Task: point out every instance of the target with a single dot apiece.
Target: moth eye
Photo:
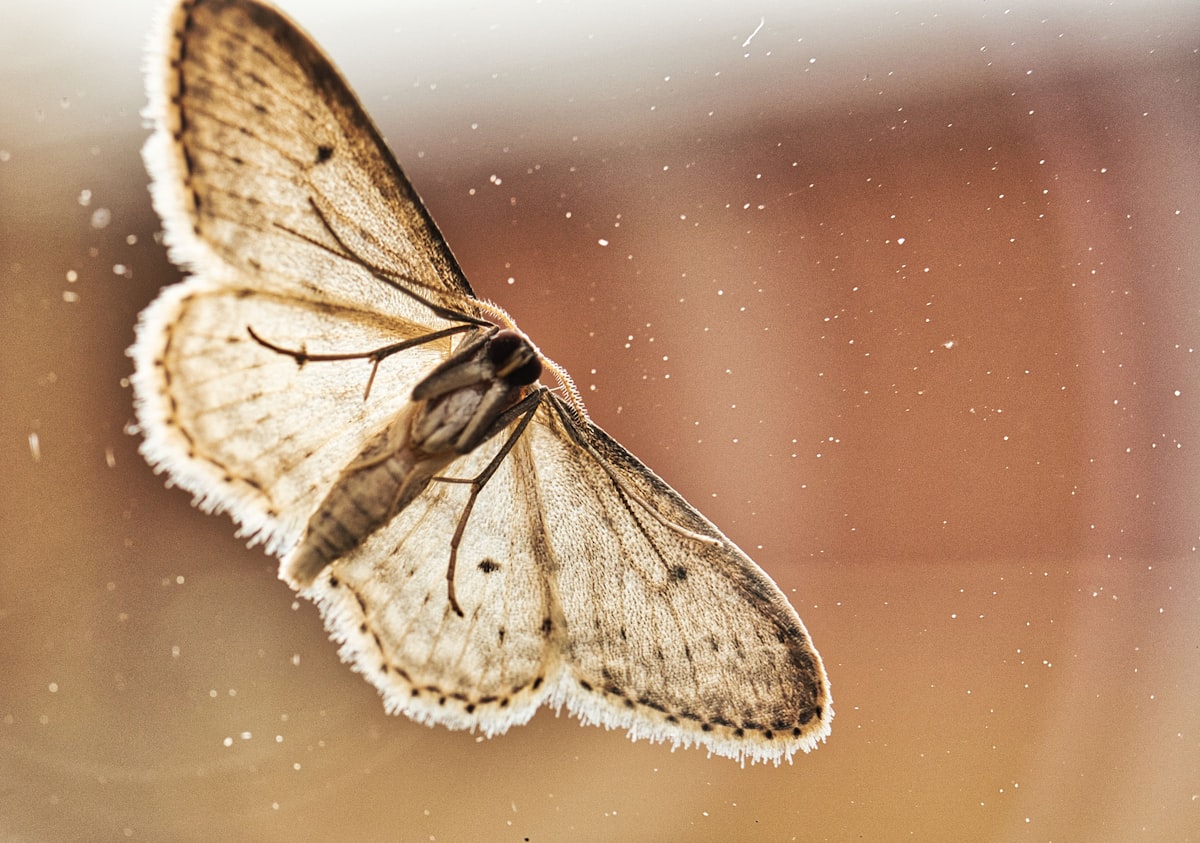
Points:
(515, 359)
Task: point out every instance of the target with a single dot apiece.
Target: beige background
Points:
(906, 297)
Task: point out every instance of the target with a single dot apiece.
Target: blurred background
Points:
(904, 296)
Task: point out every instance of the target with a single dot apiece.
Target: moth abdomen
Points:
(370, 491)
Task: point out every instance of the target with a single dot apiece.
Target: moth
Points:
(325, 375)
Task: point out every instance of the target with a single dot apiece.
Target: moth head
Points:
(515, 359)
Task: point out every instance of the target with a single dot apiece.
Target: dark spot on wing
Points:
(489, 566)
(679, 573)
(324, 153)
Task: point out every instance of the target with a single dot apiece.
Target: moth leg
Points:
(525, 408)
(376, 356)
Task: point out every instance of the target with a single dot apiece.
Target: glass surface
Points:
(905, 297)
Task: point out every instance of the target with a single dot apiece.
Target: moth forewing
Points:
(693, 643)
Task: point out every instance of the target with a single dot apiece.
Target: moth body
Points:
(454, 409)
(381, 481)
(586, 581)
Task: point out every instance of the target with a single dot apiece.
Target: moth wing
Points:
(279, 196)
(262, 156)
(674, 638)
(246, 429)
(386, 602)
